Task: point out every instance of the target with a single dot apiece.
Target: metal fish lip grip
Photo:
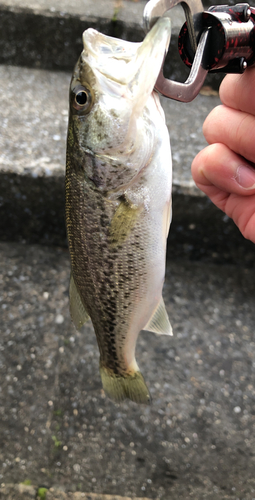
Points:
(220, 39)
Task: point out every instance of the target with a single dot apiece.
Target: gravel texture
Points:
(25, 492)
(196, 440)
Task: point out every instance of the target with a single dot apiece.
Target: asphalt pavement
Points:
(58, 429)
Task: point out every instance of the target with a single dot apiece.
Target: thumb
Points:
(229, 181)
(218, 166)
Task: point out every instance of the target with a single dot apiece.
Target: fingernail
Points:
(245, 176)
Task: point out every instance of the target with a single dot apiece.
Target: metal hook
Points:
(193, 9)
(156, 8)
(187, 91)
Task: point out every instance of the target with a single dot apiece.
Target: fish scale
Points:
(104, 288)
(118, 202)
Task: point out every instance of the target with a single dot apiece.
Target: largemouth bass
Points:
(118, 200)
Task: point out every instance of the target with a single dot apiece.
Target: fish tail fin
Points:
(131, 386)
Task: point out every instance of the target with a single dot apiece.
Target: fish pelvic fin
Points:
(78, 312)
(159, 322)
(131, 386)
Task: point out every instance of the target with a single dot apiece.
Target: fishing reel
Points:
(221, 39)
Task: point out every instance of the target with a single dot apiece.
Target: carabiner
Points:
(187, 91)
(193, 9)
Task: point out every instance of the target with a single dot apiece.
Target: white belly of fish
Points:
(156, 195)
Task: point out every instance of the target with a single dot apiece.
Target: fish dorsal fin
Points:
(78, 312)
(159, 322)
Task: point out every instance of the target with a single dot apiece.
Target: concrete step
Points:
(34, 111)
(58, 430)
(47, 33)
(34, 126)
(34, 104)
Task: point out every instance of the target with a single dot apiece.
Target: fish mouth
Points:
(117, 63)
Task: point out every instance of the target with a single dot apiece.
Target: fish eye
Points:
(82, 99)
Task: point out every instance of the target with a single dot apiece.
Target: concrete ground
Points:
(58, 429)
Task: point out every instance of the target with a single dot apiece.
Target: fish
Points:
(118, 200)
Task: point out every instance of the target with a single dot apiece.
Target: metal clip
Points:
(193, 9)
(186, 92)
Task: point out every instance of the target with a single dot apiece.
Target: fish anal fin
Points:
(159, 322)
(131, 386)
(78, 312)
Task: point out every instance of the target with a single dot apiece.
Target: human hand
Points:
(224, 170)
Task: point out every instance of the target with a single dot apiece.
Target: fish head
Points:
(110, 87)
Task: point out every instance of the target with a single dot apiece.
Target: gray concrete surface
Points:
(57, 429)
(34, 126)
(32, 165)
(127, 11)
(47, 33)
(25, 492)
(33, 142)
(33, 130)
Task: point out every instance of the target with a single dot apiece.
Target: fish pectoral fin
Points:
(78, 312)
(130, 386)
(124, 219)
(159, 322)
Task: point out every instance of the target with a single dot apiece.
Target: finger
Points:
(218, 167)
(242, 211)
(234, 128)
(237, 91)
(215, 173)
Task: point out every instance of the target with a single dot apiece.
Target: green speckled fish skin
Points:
(116, 225)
